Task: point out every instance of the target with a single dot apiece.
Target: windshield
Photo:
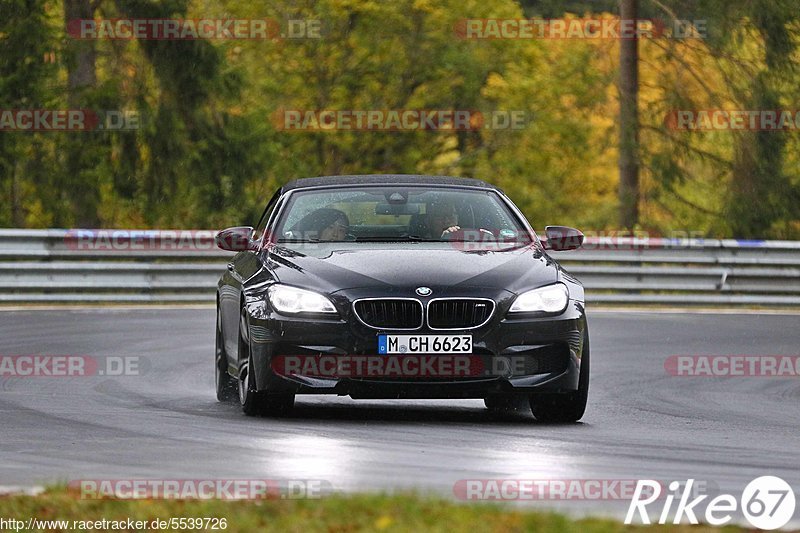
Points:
(397, 214)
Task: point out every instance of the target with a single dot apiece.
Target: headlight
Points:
(550, 299)
(291, 300)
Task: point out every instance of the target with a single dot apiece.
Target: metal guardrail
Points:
(183, 266)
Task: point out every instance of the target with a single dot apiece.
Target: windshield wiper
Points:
(404, 238)
(298, 240)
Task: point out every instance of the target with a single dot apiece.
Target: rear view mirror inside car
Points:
(397, 209)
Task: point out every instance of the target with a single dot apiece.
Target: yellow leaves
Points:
(423, 5)
(568, 101)
(383, 522)
(445, 162)
(495, 83)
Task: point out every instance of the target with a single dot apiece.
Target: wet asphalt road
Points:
(166, 423)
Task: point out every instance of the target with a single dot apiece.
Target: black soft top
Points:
(392, 179)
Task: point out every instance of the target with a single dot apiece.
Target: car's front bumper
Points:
(516, 355)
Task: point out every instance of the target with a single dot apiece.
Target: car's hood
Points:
(331, 267)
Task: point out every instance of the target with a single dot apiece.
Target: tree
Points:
(629, 121)
(25, 48)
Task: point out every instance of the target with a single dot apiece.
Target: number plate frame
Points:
(389, 344)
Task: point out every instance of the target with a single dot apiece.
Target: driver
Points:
(442, 219)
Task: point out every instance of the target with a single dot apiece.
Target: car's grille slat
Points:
(459, 313)
(390, 313)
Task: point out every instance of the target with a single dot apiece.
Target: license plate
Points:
(401, 344)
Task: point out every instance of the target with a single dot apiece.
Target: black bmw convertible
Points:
(397, 286)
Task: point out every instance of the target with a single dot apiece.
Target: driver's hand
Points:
(451, 229)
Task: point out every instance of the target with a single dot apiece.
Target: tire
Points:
(253, 402)
(565, 407)
(225, 384)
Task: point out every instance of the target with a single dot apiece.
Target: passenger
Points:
(324, 224)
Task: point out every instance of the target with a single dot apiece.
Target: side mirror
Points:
(235, 239)
(563, 238)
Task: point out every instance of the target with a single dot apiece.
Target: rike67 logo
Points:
(768, 502)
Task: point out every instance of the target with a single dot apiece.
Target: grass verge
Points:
(331, 514)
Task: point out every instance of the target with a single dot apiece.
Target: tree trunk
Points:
(629, 122)
(81, 54)
(80, 58)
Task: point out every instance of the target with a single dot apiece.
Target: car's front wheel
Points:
(565, 407)
(256, 402)
(226, 387)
